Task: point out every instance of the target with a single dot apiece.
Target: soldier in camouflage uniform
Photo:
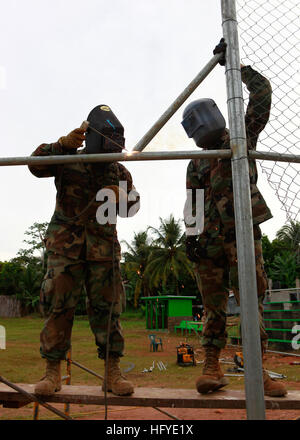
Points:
(82, 254)
(214, 252)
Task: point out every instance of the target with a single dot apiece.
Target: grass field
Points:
(21, 361)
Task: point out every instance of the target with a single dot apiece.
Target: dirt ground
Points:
(93, 412)
(284, 364)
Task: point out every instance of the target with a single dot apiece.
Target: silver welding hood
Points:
(203, 121)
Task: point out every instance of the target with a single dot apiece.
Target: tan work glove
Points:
(74, 139)
(120, 194)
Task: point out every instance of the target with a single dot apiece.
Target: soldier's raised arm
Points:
(259, 105)
(65, 145)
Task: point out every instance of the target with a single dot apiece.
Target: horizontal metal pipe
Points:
(265, 155)
(136, 157)
(283, 353)
(112, 157)
(269, 351)
(144, 141)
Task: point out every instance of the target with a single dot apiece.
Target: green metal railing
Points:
(234, 332)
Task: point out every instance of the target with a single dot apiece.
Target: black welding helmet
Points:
(111, 139)
(203, 121)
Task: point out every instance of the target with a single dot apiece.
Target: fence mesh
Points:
(269, 42)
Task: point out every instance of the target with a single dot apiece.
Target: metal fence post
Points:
(243, 219)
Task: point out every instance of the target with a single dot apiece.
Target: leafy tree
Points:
(11, 273)
(22, 275)
(35, 241)
(284, 269)
(136, 259)
(30, 284)
(270, 250)
(282, 255)
(289, 235)
(188, 286)
(130, 286)
(167, 260)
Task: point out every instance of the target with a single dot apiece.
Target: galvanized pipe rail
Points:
(113, 157)
(254, 388)
(278, 157)
(135, 156)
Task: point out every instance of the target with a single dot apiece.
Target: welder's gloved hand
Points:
(221, 48)
(73, 140)
(121, 195)
(192, 248)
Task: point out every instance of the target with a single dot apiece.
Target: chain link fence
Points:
(269, 42)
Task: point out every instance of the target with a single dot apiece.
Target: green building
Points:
(164, 312)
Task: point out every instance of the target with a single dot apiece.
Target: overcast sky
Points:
(59, 59)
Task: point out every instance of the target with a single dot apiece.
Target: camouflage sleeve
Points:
(258, 109)
(54, 149)
(133, 197)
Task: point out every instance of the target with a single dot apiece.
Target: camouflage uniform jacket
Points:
(73, 230)
(214, 175)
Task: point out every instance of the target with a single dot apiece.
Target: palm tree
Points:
(135, 263)
(284, 269)
(167, 260)
(290, 235)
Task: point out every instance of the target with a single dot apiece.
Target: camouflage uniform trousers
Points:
(216, 274)
(60, 291)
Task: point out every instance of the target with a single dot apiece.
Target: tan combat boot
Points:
(272, 387)
(51, 382)
(116, 382)
(212, 378)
